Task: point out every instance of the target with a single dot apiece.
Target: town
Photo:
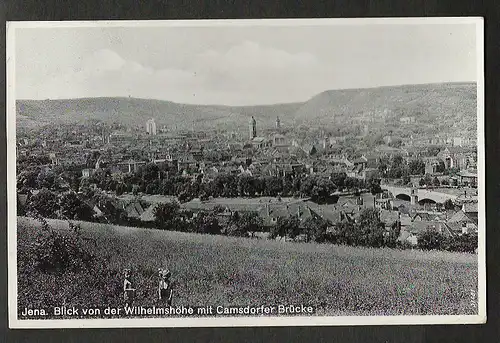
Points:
(290, 185)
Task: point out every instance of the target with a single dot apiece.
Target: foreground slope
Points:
(217, 270)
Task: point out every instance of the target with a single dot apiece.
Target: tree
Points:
(467, 243)
(153, 187)
(208, 223)
(440, 168)
(406, 180)
(315, 229)
(242, 224)
(166, 214)
(45, 203)
(339, 179)
(391, 239)
(307, 185)
(426, 181)
(370, 228)
(135, 189)
(374, 186)
(292, 225)
(285, 227)
(430, 239)
(435, 182)
(272, 186)
(416, 167)
(72, 207)
(344, 233)
(46, 179)
(150, 172)
(246, 185)
(318, 188)
(27, 179)
(449, 205)
(322, 189)
(120, 188)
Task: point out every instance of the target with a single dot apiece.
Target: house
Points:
(332, 215)
(467, 178)
(186, 161)
(359, 171)
(360, 162)
(133, 210)
(411, 232)
(148, 214)
(467, 217)
(309, 149)
(197, 154)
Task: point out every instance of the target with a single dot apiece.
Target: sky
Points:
(240, 65)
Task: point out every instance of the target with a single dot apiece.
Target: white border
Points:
(14, 322)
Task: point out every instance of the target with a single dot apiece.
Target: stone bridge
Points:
(417, 195)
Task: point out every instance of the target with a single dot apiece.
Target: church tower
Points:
(252, 128)
(278, 123)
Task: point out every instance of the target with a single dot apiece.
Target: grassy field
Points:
(218, 270)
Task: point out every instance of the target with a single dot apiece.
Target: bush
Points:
(167, 215)
(44, 203)
(72, 207)
(463, 243)
(431, 239)
(53, 251)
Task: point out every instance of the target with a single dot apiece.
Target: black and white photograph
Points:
(204, 173)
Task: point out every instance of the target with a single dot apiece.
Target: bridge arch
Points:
(426, 201)
(403, 196)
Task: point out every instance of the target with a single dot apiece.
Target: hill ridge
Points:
(453, 102)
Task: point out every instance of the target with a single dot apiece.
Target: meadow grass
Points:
(219, 270)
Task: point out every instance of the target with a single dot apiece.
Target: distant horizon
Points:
(235, 65)
(258, 104)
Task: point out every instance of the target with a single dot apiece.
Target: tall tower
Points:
(151, 127)
(278, 123)
(252, 128)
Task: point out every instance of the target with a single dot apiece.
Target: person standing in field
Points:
(165, 289)
(128, 290)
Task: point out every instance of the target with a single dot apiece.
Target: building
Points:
(86, 172)
(151, 127)
(468, 178)
(407, 120)
(279, 140)
(260, 142)
(466, 220)
(432, 165)
(252, 128)
(278, 123)
(457, 157)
